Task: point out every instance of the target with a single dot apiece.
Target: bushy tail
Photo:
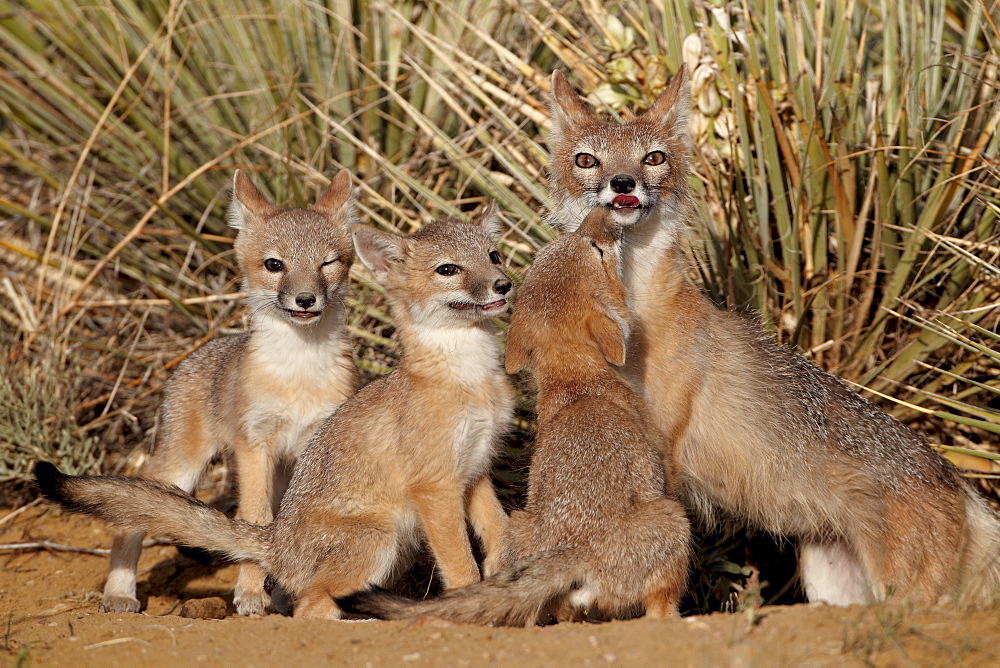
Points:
(135, 503)
(981, 564)
(516, 596)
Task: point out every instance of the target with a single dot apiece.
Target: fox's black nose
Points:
(305, 299)
(622, 183)
(502, 285)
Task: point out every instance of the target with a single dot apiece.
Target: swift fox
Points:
(406, 457)
(601, 536)
(757, 434)
(260, 393)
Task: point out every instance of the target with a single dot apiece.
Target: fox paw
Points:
(251, 602)
(491, 565)
(120, 604)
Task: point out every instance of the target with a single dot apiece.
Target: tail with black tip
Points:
(517, 596)
(136, 503)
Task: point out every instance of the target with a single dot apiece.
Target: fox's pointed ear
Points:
(249, 204)
(674, 104)
(489, 220)
(338, 194)
(611, 336)
(517, 356)
(567, 107)
(378, 251)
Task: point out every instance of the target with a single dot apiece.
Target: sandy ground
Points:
(49, 617)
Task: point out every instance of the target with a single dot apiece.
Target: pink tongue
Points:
(625, 202)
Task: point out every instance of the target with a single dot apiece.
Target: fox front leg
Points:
(442, 515)
(489, 521)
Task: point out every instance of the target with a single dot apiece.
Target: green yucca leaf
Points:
(982, 386)
(992, 456)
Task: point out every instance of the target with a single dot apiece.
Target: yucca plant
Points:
(845, 170)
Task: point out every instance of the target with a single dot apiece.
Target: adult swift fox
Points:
(261, 393)
(406, 457)
(600, 537)
(758, 434)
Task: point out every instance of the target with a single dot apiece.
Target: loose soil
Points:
(49, 617)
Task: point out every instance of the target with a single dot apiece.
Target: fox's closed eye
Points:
(273, 264)
(331, 261)
(599, 249)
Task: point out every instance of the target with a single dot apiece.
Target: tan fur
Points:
(259, 394)
(407, 457)
(600, 536)
(757, 434)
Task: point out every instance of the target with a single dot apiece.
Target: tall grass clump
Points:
(846, 173)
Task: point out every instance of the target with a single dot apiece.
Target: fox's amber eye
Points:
(273, 264)
(494, 257)
(655, 158)
(585, 160)
(448, 269)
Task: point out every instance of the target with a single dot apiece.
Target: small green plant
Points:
(866, 637)
(36, 417)
(23, 657)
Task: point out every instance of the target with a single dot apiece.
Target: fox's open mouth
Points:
(303, 315)
(492, 307)
(626, 202)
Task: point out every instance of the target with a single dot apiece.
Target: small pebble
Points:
(204, 608)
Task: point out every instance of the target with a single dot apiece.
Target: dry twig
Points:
(56, 547)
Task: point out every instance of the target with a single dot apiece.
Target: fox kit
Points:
(406, 457)
(758, 434)
(263, 392)
(600, 536)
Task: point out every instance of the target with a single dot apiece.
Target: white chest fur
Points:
(475, 438)
(471, 363)
(643, 248)
(469, 352)
(293, 382)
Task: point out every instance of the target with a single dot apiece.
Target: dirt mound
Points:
(49, 600)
